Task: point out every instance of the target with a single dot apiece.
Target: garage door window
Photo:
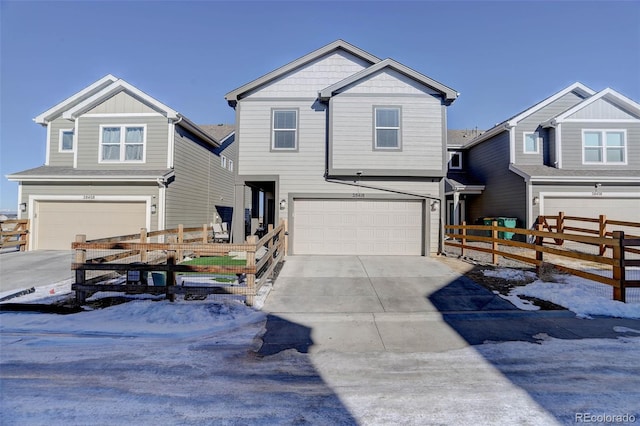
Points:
(604, 146)
(122, 143)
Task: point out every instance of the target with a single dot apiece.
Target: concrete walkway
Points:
(21, 270)
(401, 304)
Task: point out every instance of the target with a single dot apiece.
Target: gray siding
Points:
(505, 193)
(553, 159)
(532, 123)
(191, 199)
(88, 136)
(57, 158)
(121, 103)
(601, 109)
(572, 145)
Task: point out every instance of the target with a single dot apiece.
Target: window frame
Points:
(223, 161)
(454, 154)
(376, 128)
(524, 142)
(123, 144)
(61, 133)
(274, 130)
(603, 147)
(230, 164)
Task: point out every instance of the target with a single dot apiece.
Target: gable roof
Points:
(233, 96)
(513, 121)
(447, 93)
(608, 94)
(54, 111)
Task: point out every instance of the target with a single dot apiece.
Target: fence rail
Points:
(14, 233)
(618, 263)
(243, 268)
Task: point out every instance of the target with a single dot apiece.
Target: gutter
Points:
(394, 191)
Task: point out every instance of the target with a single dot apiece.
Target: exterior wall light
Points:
(536, 200)
(434, 205)
(23, 207)
(154, 208)
(283, 204)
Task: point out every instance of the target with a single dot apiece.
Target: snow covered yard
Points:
(156, 362)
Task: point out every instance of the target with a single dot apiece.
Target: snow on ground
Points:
(579, 295)
(156, 362)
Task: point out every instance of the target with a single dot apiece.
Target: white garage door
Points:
(364, 227)
(58, 222)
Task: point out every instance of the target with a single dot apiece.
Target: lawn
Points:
(216, 260)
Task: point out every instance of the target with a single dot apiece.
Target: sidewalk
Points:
(21, 270)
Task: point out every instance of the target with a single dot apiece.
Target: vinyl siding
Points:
(89, 142)
(601, 109)
(57, 158)
(90, 189)
(532, 123)
(121, 103)
(551, 132)
(572, 145)
(191, 198)
(316, 75)
(505, 193)
(352, 127)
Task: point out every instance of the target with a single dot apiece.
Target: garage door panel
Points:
(357, 227)
(58, 222)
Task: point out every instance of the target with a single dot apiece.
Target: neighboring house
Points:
(118, 160)
(577, 151)
(349, 149)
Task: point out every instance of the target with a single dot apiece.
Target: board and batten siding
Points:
(191, 198)
(506, 192)
(316, 75)
(88, 137)
(352, 133)
(121, 103)
(532, 124)
(601, 109)
(571, 145)
(57, 158)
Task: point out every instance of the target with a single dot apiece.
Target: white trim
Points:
(397, 128)
(230, 163)
(47, 154)
(124, 114)
(601, 120)
(97, 198)
(223, 161)
(559, 145)
(123, 144)
(20, 213)
(512, 145)
(295, 131)
(76, 127)
(529, 206)
(171, 137)
(604, 161)
(45, 117)
(569, 179)
(618, 99)
(524, 142)
(451, 155)
(613, 195)
(73, 142)
(162, 195)
(84, 178)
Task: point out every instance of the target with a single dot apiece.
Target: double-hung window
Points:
(122, 143)
(455, 161)
(223, 161)
(387, 128)
(604, 146)
(531, 143)
(66, 140)
(285, 130)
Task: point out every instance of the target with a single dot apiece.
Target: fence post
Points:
(602, 231)
(494, 242)
(171, 273)
(251, 263)
(205, 234)
(270, 246)
(560, 226)
(143, 249)
(463, 237)
(619, 273)
(81, 274)
(539, 254)
(180, 241)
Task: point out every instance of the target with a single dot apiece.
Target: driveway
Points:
(21, 270)
(401, 304)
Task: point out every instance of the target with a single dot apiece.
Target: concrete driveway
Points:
(21, 270)
(402, 304)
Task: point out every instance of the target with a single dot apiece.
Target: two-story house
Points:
(577, 151)
(118, 160)
(349, 149)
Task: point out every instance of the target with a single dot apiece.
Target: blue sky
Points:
(501, 56)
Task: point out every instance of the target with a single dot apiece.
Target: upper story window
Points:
(604, 147)
(531, 143)
(122, 143)
(66, 140)
(455, 160)
(285, 130)
(223, 161)
(230, 165)
(387, 128)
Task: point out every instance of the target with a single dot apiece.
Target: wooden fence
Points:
(136, 255)
(534, 253)
(14, 233)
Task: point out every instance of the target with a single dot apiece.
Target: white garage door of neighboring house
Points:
(364, 227)
(625, 209)
(58, 222)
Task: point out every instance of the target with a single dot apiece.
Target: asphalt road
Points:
(22, 270)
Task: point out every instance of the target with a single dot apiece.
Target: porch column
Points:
(237, 227)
